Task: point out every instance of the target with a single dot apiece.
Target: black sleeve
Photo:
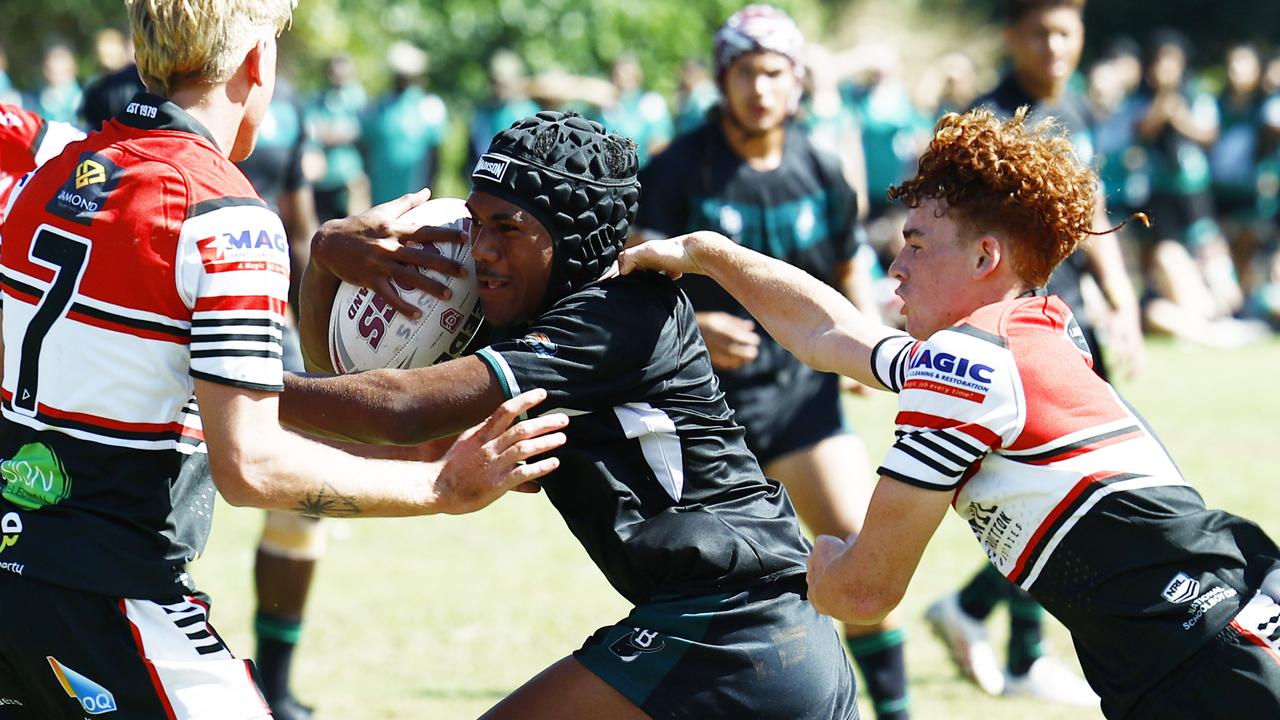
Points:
(664, 199)
(590, 353)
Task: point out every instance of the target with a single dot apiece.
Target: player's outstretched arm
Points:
(858, 581)
(257, 463)
(370, 250)
(809, 318)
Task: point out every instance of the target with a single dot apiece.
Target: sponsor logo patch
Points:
(639, 641)
(95, 699)
(86, 192)
(947, 374)
(249, 249)
(34, 478)
(1181, 588)
(10, 530)
(540, 344)
(491, 167)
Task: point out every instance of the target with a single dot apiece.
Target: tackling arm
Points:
(257, 463)
(806, 316)
(860, 582)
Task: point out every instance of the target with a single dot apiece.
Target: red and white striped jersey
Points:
(138, 260)
(26, 142)
(1067, 490)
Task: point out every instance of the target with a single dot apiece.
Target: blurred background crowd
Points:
(381, 98)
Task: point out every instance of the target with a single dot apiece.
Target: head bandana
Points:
(577, 179)
(761, 28)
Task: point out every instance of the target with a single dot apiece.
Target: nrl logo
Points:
(491, 167)
(90, 173)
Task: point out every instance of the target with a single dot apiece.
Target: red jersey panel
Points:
(135, 262)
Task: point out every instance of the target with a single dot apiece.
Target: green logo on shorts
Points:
(34, 478)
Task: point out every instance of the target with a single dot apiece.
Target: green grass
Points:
(440, 617)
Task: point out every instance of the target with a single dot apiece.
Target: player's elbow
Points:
(242, 474)
(858, 603)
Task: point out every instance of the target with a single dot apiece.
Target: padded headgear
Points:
(761, 28)
(577, 179)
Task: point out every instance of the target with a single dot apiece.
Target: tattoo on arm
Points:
(327, 502)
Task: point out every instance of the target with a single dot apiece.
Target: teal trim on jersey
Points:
(778, 231)
(677, 624)
(500, 368)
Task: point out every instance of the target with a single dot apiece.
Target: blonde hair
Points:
(181, 41)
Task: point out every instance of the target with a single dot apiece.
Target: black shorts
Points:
(781, 419)
(763, 653)
(68, 655)
(1236, 675)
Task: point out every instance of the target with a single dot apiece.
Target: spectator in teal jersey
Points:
(507, 103)
(333, 121)
(1121, 160)
(640, 114)
(697, 95)
(1177, 123)
(893, 134)
(833, 125)
(1233, 159)
(59, 97)
(401, 135)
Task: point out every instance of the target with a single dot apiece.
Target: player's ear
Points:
(255, 61)
(987, 254)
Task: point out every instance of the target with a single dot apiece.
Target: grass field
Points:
(438, 618)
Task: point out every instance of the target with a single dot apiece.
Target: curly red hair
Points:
(1001, 176)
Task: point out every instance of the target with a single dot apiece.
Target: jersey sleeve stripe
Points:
(206, 322)
(942, 452)
(254, 266)
(208, 206)
(964, 447)
(236, 352)
(905, 446)
(501, 370)
(234, 337)
(933, 422)
(894, 474)
(215, 303)
(220, 380)
(890, 378)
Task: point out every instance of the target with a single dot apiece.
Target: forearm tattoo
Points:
(327, 502)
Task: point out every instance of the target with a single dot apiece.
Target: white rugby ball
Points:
(367, 333)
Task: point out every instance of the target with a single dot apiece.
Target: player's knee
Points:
(296, 537)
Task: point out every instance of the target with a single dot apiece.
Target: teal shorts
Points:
(762, 653)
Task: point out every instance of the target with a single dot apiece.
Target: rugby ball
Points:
(367, 333)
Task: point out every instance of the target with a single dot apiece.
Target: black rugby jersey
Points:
(655, 479)
(803, 212)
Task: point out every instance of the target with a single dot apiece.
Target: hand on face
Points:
(488, 459)
(372, 249)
